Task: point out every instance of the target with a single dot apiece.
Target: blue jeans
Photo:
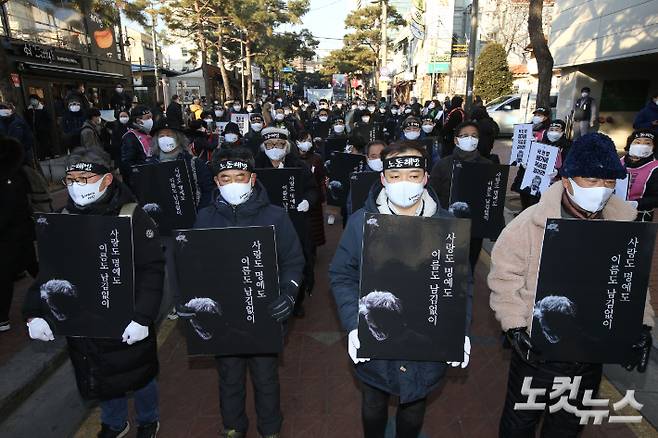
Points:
(114, 412)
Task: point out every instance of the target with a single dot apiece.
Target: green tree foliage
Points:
(492, 75)
(360, 52)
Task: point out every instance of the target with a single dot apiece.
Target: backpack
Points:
(38, 194)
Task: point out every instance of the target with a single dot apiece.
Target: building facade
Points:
(611, 47)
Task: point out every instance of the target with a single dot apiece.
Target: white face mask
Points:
(279, 117)
(275, 154)
(372, 109)
(237, 107)
(124, 120)
(230, 137)
(553, 136)
(407, 110)
(365, 119)
(382, 110)
(286, 112)
(257, 126)
(536, 120)
(208, 121)
(376, 164)
(304, 146)
(640, 150)
(219, 113)
(590, 199)
(147, 125)
(362, 107)
(74, 108)
(235, 193)
(119, 90)
(404, 193)
(249, 109)
(412, 135)
(394, 111)
(353, 107)
(5, 112)
(467, 144)
(86, 194)
(431, 105)
(34, 102)
(323, 118)
(427, 128)
(584, 94)
(339, 128)
(166, 144)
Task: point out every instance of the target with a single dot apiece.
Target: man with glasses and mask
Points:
(108, 369)
(588, 179)
(401, 191)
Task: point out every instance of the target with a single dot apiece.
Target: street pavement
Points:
(319, 394)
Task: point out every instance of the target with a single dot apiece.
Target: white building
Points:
(611, 47)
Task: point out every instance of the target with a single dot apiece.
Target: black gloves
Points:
(281, 307)
(520, 341)
(641, 351)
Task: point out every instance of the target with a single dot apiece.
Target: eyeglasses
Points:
(81, 180)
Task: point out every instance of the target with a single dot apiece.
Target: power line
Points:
(325, 6)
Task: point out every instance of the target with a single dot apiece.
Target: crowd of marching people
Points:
(223, 158)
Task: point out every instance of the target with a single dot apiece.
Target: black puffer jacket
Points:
(108, 368)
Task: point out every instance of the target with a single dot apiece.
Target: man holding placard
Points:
(401, 192)
(242, 202)
(107, 369)
(585, 192)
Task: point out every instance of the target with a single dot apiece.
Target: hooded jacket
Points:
(16, 127)
(647, 115)
(516, 255)
(108, 368)
(257, 211)
(419, 378)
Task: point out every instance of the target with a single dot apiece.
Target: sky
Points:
(325, 18)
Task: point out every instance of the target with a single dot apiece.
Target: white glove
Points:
(134, 333)
(467, 354)
(39, 329)
(633, 204)
(303, 206)
(354, 344)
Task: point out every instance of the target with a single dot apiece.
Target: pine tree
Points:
(492, 75)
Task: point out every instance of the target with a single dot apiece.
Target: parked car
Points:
(513, 109)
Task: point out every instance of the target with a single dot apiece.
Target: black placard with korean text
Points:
(231, 315)
(483, 187)
(591, 289)
(284, 186)
(360, 185)
(341, 166)
(86, 273)
(413, 288)
(164, 190)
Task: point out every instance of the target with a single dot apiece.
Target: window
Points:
(621, 95)
(54, 23)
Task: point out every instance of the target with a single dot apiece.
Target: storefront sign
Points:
(45, 53)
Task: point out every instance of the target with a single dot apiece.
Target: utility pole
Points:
(384, 47)
(472, 45)
(155, 53)
(242, 69)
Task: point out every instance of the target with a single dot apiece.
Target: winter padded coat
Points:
(410, 380)
(257, 211)
(516, 254)
(108, 368)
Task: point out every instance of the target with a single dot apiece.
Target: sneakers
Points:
(107, 432)
(331, 219)
(4, 326)
(173, 315)
(148, 430)
(232, 433)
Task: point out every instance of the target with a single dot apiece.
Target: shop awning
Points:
(59, 69)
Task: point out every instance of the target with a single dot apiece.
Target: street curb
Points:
(26, 371)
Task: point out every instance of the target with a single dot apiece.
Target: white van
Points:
(513, 109)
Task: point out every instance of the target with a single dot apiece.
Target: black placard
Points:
(165, 192)
(483, 187)
(333, 145)
(360, 185)
(86, 273)
(591, 290)
(414, 280)
(231, 311)
(341, 166)
(284, 186)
